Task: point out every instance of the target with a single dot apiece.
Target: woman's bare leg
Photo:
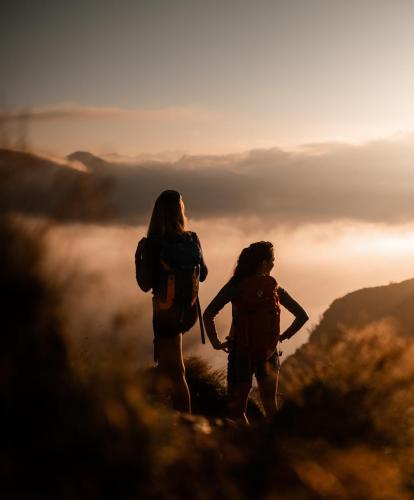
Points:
(171, 364)
(267, 382)
(238, 394)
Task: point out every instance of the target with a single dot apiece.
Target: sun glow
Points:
(391, 244)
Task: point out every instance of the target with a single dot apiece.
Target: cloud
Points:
(321, 183)
(76, 111)
(371, 182)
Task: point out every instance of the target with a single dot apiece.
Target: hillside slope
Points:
(362, 307)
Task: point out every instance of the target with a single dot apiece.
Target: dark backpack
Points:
(257, 317)
(180, 260)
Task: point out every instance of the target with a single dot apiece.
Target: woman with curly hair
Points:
(252, 344)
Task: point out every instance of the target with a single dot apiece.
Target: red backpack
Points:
(257, 317)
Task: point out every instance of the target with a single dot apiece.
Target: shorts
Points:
(170, 323)
(240, 368)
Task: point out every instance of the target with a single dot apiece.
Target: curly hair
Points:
(250, 259)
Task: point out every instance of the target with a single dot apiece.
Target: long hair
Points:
(250, 259)
(168, 214)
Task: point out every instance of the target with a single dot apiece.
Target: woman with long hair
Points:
(169, 262)
(255, 332)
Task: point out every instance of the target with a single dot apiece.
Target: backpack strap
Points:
(200, 318)
(194, 238)
(155, 341)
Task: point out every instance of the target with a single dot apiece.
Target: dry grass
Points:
(345, 429)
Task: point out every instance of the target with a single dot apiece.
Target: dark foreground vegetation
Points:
(345, 429)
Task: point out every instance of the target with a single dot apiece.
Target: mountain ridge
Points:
(88, 159)
(367, 305)
(40, 186)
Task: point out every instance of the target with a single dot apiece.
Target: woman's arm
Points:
(203, 267)
(224, 296)
(301, 317)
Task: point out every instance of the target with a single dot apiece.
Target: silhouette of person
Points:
(253, 353)
(168, 241)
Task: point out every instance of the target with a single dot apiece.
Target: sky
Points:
(206, 77)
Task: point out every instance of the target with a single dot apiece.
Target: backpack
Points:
(180, 260)
(257, 317)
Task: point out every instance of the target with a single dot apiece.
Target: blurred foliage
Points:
(345, 429)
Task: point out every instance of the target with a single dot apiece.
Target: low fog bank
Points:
(320, 183)
(107, 316)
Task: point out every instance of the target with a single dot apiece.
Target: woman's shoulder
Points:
(192, 234)
(152, 240)
(231, 289)
(226, 294)
(273, 280)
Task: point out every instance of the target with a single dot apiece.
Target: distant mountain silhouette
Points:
(88, 159)
(36, 185)
(294, 188)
